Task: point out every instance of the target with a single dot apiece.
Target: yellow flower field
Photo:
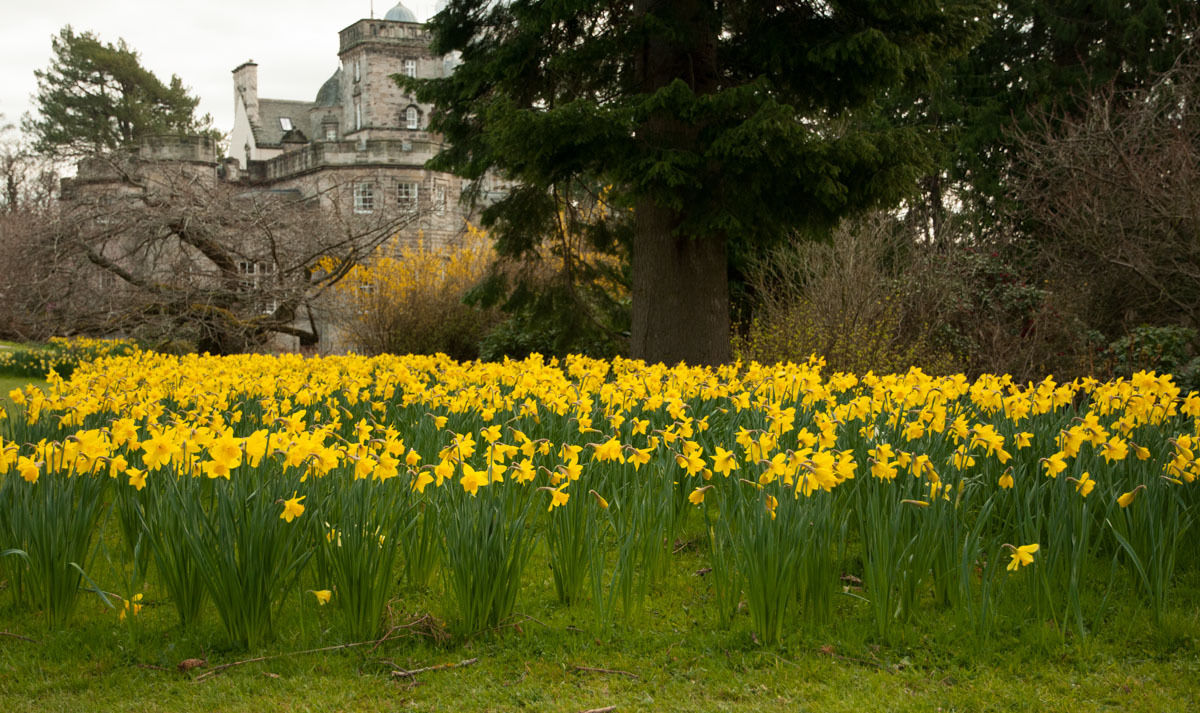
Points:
(246, 478)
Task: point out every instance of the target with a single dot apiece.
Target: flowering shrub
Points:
(409, 299)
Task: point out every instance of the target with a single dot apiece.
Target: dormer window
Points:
(285, 123)
(412, 118)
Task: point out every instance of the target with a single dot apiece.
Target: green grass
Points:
(8, 383)
(680, 659)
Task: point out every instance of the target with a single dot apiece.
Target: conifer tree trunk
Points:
(680, 292)
(680, 281)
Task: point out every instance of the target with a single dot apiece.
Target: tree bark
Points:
(680, 306)
(680, 292)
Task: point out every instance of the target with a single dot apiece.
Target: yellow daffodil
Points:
(696, 497)
(724, 461)
(1021, 556)
(292, 508)
(1126, 499)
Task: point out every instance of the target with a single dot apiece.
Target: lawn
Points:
(672, 657)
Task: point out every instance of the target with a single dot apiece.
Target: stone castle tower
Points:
(361, 131)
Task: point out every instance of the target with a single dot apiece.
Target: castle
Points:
(361, 130)
(355, 153)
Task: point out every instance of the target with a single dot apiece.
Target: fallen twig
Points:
(18, 636)
(217, 669)
(533, 619)
(436, 667)
(606, 709)
(607, 670)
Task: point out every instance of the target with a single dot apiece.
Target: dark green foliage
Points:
(715, 122)
(1052, 57)
(1162, 349)
(97, 96)
(554, 320)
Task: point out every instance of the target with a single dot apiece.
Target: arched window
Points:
(412, 118)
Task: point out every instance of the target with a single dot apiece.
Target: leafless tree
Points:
(1115, 193)
(28, 180)
(28, 184)
(167, 251)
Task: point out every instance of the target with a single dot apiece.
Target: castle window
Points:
(410, 67)
(357, 114)
(439, 199)
(285, 123)
(357, 71)
(330, 132)
(364, 198)
(412, 119)
(253, 277)
(406, 195)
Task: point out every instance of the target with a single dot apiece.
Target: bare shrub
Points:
(1114, 191)
(848, 300)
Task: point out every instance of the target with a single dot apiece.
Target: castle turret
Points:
(372, 51)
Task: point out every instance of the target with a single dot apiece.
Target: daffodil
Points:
(724, 461)
(1021, 556)
(1055, 464)
(1006, 480)
(423, 479)
(599, 500)
(472, 479)
(29, 469)
(610, 450)
(132, 607)
(292, 508)
(1126, 499)
(137, 478)
(558, 496)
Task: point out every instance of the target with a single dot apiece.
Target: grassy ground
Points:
(672, 657)
(8, 383)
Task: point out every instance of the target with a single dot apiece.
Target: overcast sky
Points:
(294, 42)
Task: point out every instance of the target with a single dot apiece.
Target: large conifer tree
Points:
(97, 96)
(713, 121)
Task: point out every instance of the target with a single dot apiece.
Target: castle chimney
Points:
(245, 85)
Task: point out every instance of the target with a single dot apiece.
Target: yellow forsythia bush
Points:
(408, 299)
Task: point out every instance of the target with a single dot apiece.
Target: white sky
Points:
(294, 42)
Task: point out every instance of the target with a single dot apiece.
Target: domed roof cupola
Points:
(400, 14)
(330, 93)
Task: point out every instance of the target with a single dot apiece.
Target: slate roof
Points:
(269, 132)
